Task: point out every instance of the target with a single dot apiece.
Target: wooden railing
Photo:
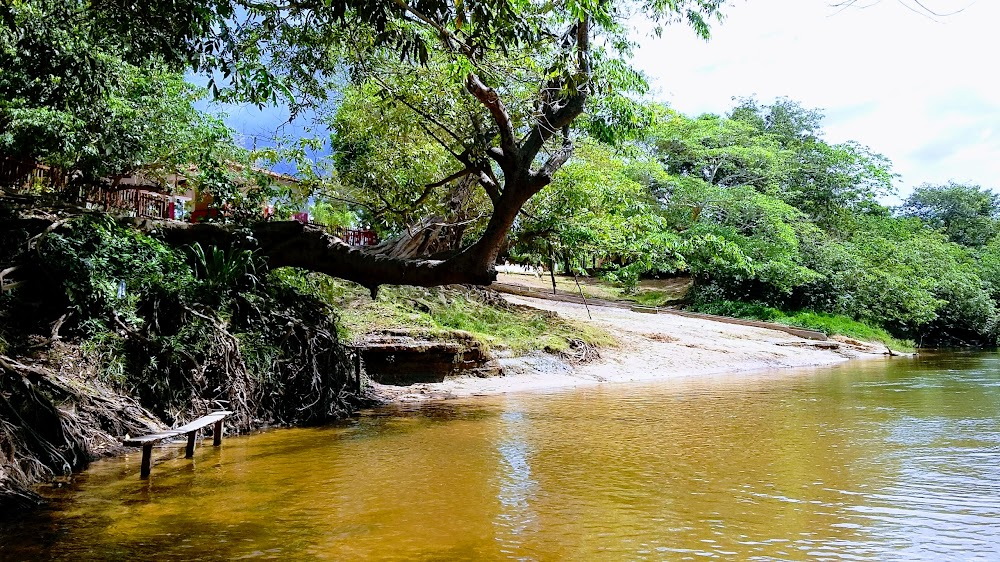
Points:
(355, 236)
(24, 174)
(351, 236)
(20, 175)
(136, 202)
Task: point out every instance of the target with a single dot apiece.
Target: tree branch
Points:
(491, 100)
(442, 143)
(499, 157)
(459, 174)
(447, 37)
(292, 244)
(543, 176)
(554, 116)
(490, 185)
(423, 114)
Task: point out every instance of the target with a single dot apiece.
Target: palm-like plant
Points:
(221, 269)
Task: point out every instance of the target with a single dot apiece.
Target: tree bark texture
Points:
(310, 247)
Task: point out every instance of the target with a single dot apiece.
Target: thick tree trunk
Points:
(292, 244)
(312, 248)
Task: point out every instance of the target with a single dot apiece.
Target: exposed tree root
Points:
(170, 352)
(53, 424)
(580, 351)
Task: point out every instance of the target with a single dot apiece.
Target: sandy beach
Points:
(650, 347)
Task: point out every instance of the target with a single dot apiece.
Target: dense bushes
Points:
(757, 208)
(885, 271)
(110, 329)
(183, 331)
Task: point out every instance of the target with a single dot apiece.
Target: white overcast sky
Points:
(924, 91)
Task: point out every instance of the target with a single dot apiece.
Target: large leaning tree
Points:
(498, 85)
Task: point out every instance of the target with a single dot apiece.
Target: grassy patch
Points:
(652, 298)
(649, 292)
(438, 311)
(830, 324)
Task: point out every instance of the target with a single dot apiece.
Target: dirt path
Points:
(593, 288)
(651, 347)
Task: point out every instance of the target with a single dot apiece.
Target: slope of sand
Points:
(651, 347)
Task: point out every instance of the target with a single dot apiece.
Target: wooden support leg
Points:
(357, 371)
(189, 452)
(147, 453)
(217, 434)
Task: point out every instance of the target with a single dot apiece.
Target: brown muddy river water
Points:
(894, 460)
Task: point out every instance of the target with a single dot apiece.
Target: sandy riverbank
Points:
(651, 347)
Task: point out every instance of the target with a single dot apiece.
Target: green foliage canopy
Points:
(760, 210)
(967, 214)
(78, 96)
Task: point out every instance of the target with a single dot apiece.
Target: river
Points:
(868, 460)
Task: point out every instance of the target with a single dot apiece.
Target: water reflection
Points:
(517, 488)
(866, 461)
(945, 497)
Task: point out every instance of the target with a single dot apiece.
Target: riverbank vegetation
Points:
(771, 221)
(438, 312)
(116, 332)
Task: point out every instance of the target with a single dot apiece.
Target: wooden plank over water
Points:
(151, 438)
(202, 421)
(190, 428)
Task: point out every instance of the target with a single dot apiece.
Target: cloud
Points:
(940, 149)
(963, 102)
(850, 113)
(915, 88)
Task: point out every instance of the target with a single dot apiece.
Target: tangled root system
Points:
(51, 423)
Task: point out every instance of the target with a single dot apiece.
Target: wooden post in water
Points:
(189, 452)
(147, 453)
(217, 434)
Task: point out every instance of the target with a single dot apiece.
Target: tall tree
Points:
(967, 214)
(515, 76)
(823, 180)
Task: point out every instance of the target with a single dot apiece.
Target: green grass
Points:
(829, 324)
(652, 298)
(649, 292)
(518, 329)
(436, 312)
